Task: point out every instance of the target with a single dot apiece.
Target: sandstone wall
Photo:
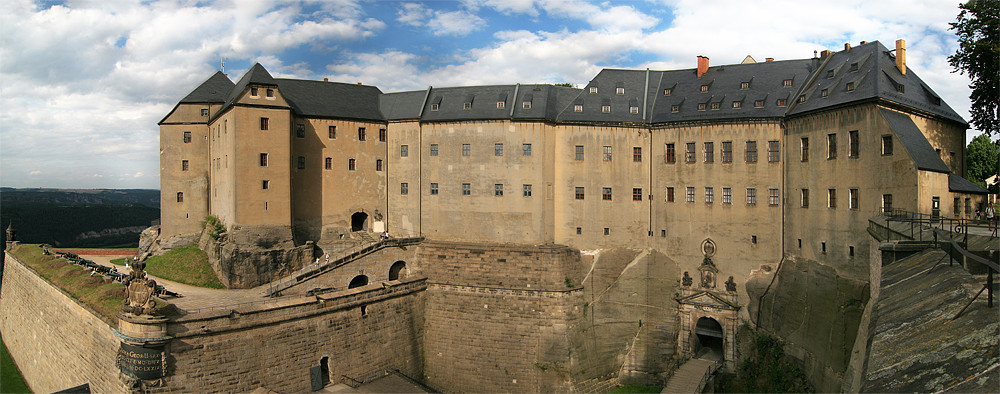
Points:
(375, 266)
(362, 331)
(252, 256)
(56, 342)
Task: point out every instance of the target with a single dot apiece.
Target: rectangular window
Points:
(727, 195)
(850, 86)
(605, 108)
(782, 102)
(467, 106)
(332, 132)
(579, 230)
(593, 90)
(328, 163)
(804, 193)
(501, 104)
(709, 195)
(265, 184)
(667, 91)
(497, 149)
(579, 152)
(269, 92)
(180, 196)
(378, 165)
(435, 106)
(831, 143)
(773, 198)
(362, 134)
(669, 154)
(404, 150)
(204, 112)
(690, 194)
(831, 198)
(787, 83)
(301, 163)
(352, 164)
(253, 92)
(633, 110)
(498, 190)
(466, 189)
(525, 149)
(887, 203)
(466, 150)
(744, 85)
(727, 151)
(670, 194)
(758, 104)
(526, 190)
(263, 159)
(607, 153)
(675, 108)
(751, 196)
(187, 137)
(300, 131)
(968, 206)
(689, 155)
(636, 154)
(404, 188)
(636, 194)
(805, 148)
(526, 105)
(619, 90)
(184, 165)
(751, 152)
(715, 105)
(381, 135)
(579, 193)
(704, 88)
(709, 152)
(853, 151)
(854, 200)
(773, 151)
(578, 108)
(434, 188)
(701, 106)
(607, 231)
(263, 123)
(886, 145)
(434, 149)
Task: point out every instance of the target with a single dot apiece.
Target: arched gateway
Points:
(359, 221)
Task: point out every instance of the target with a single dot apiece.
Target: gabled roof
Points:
(331, 99)
(914, 142)
(871, 71)
(214, 90)
(257, 75)
(961, 185)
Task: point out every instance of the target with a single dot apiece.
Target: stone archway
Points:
(359, 221)
(708, 323)
(711, 338)
(397, 270)
(358, 281)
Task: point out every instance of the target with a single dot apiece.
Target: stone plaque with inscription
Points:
(139, 362)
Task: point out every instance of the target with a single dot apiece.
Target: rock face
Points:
(816, 312)
(248, 257)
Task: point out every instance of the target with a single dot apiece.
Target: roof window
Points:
(825, 92)
(737, 104)
(704, 88)
(854, 67)
(715, 105)
(593, 90)
(619, 91)
(578, 108)
(526, 105)
(435, 107)
(900, 88)
(253, 92)
(850, 86)
(606, 108)
(744, 85)
(501, 104)
(667, 91)
(829, 74)
(701, 106)
(787, 83)
(758, 104)
(802, 98)
(633, 110)
(467, 106)
(782, 102)
(675, 108)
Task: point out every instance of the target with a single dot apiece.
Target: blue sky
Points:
(83, 83)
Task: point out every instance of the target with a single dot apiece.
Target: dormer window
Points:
(253, 92)
(269, 93)
(605, 108)
(900, 88)
(467, 106)
(854, 67)
(578, 108)
(500, 104)
(701, 106)
(782, 102)
(850, 86)
(435, 107)
(744, 85)
(829, 74)
(715, 106)
(633, 110)
(526, 105)
(619, 91)
(825, 92)
(737, 104)
(593, 90)
(787, 83)
(802, 98)
(704, 88)
(675, 108)
(758, 104)
(667, 91)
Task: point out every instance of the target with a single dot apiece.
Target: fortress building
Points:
(717, 173)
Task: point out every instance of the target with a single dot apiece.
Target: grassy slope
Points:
(188, 265)
(10, 378)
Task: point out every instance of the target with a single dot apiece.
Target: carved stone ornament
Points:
(377, 215)
(708, 247)
(687, 280)
(708, 273)
(731, 285)
(139, 291)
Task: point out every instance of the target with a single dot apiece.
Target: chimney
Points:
(847, 46)
(864, 42)
(825, 53)
(901, 56)
(769, 59)
(702, 65)
(325, 79)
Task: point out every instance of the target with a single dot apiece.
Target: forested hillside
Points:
(79, 218)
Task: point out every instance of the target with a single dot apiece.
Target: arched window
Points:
(351, 164)
(397, 268)
(358, 281)
(180, 196)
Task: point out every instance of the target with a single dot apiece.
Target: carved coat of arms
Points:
(139, 291)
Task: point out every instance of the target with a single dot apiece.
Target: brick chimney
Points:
(769, 59)
(901, 56)
(325, 79)
(702, 65)
(847, 46)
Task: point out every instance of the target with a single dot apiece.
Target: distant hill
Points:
(100, 218)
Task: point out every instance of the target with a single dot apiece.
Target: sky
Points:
(83, 83)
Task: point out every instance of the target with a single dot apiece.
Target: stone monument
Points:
(142, 359)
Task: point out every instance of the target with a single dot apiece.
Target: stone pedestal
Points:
(142, 359)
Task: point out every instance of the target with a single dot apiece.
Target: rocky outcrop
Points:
(252, 256)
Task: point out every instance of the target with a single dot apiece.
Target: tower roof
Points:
(214, 90)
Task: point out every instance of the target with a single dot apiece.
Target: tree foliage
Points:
(978, 54)
(983, 159)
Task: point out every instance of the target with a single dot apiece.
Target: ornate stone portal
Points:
(702, 306)
(141, 356)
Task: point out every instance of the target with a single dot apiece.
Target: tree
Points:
(978, 54)
(983, 158)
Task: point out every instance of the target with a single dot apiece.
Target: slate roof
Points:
(331, 99)
(914, 142)
(214, 90)
(961, 185)
(402, 105)
(871, 68)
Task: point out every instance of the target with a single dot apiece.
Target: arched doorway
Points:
(397, 268)
(358, 281)
(359, 221)
(710, 339)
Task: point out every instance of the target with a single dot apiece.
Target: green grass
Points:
(120, 261)
(635, 388)
(188, 265)
(10, 378)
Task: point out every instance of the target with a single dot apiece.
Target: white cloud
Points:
(440, 23)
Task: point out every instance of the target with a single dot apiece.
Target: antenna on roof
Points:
(223, 64)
